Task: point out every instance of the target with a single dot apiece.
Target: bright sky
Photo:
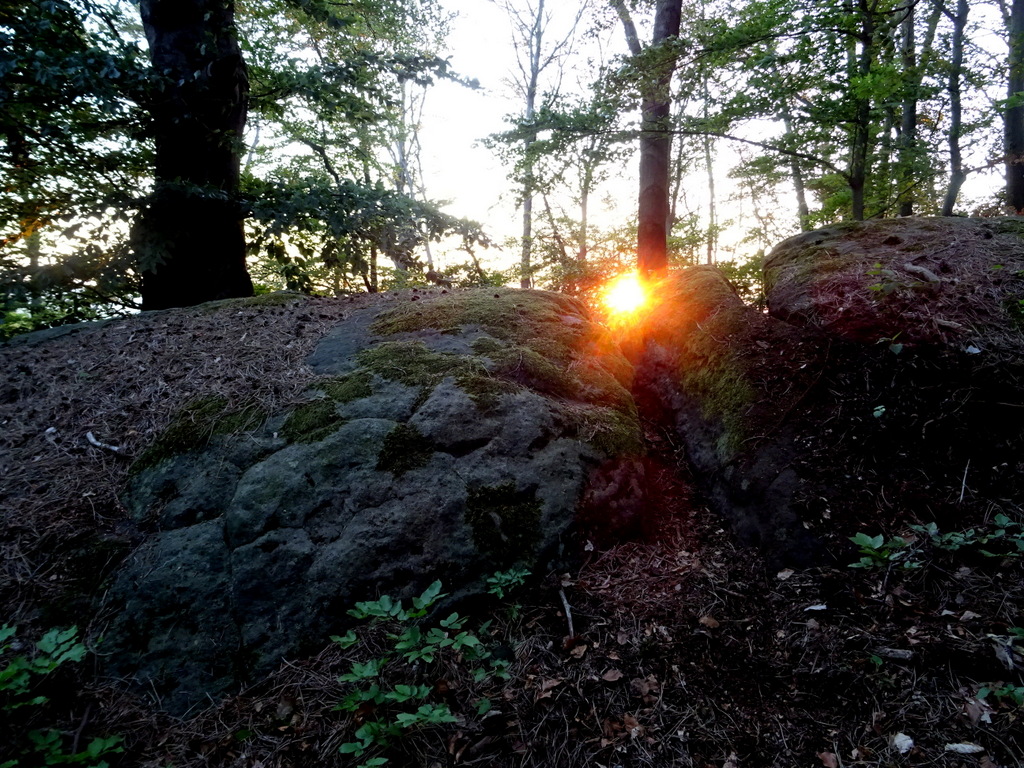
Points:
(456, 165)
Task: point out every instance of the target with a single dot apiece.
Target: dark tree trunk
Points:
(1014, 116)
(908, 146)
(190, 240)
(957, 174)
(656, 148)
(862, 113)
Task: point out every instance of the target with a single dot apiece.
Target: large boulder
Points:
(887, 375)
(447, 437)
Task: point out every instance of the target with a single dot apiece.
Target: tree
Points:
(534, 55)
(659, 61)
(1013, 117)
(69, 78)
(190, 239)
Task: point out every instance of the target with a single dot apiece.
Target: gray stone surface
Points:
(263, 544)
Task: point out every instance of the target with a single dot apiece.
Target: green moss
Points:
(484, 390)
(404, 448)
(726, 395)
(195, 425)
(609, 430)
(312, 422)
(522, 317)
(1014, 307)
(345, 389)
(530, 344)
(531, 369)
(412, 363)
(505, 522)
(1007, 226)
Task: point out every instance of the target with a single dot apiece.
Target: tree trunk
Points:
(803, 211)
(957, 175)
(907, 143)
(190, 240)
(862, 112)
(656, 148)
(529, 182)
(1013, 119)
(588, 182)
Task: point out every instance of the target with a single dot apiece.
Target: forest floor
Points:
(678, 649)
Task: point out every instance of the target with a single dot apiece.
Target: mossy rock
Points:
(404, 449)
(312, 422)
(505, 522)
(195, 425)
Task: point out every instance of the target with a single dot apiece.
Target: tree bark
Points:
(862, 111)
(957, 174)
(536, 42)
(913, 62)
(190, 240)
(656, 147)
(1013, 119)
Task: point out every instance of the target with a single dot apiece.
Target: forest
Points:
(162, 154)
(297, 469)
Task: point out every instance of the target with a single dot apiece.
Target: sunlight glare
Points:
(625, 294)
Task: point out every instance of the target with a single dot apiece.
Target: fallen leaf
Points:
(785, 574)
(968, 615)
(612, 675)
(709, 622)
(578, 651)
(902, 743)
(545, 688)
(977, 710)
(633, 726)
(828, 759)
(731, 761)
(964, 748)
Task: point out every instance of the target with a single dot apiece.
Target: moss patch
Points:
(505, 522)
(414, 364)
(312, 422)
(528, 318)
(404, 448)
(537, 340)
(345, 389)
(195, 425)
(725, 395)
(484, 390)
(609, 430)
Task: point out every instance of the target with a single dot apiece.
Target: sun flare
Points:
(625, 294)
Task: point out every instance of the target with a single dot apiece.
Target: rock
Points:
(887, 377)
(447, 438)
(727, 376)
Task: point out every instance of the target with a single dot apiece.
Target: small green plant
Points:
(1005, 535)
(879, 552)
(1007, 693)
(390, 709)
(504, 582)
(888, 281)
(57, 647)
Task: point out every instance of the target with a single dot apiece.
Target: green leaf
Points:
(430, 596)
(347, 640)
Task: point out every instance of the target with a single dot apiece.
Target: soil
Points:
(680, 648)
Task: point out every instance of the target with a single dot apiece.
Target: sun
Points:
(624, 295)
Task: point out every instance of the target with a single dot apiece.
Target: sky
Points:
(457, 167)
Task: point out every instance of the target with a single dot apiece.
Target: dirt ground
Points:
(677, 649)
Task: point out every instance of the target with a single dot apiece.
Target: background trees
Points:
(780, 114)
